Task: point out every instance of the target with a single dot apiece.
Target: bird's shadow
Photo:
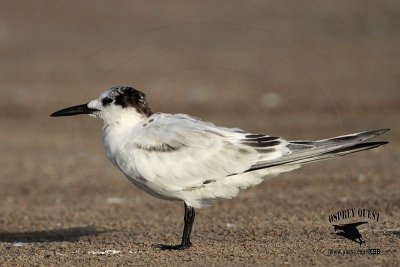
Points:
(72, 234)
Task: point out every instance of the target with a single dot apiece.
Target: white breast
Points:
(117, 149)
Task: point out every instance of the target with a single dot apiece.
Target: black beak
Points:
(75, 110)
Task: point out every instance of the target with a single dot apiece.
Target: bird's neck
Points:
(117, 131)
(122, 117)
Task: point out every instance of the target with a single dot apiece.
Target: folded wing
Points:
(181, 152)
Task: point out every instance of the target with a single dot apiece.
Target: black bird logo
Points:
(350, 231)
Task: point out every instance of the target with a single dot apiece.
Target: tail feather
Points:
(311, 151)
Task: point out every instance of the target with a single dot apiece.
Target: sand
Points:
(299, 70)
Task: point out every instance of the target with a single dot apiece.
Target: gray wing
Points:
(178, 151)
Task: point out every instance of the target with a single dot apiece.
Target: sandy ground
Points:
(302, 70)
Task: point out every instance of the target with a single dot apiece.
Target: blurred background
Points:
(302, 70)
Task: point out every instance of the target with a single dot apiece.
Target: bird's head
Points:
(113, 105)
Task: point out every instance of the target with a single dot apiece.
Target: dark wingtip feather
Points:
(358, 137)
(373, 133)
(359, 147)
(381, 131)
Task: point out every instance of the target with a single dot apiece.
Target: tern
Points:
(178, 157)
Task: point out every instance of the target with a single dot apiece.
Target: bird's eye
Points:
(106, 101)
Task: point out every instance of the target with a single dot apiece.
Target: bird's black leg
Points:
(187, 229)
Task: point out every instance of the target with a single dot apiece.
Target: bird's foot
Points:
(174, 247)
